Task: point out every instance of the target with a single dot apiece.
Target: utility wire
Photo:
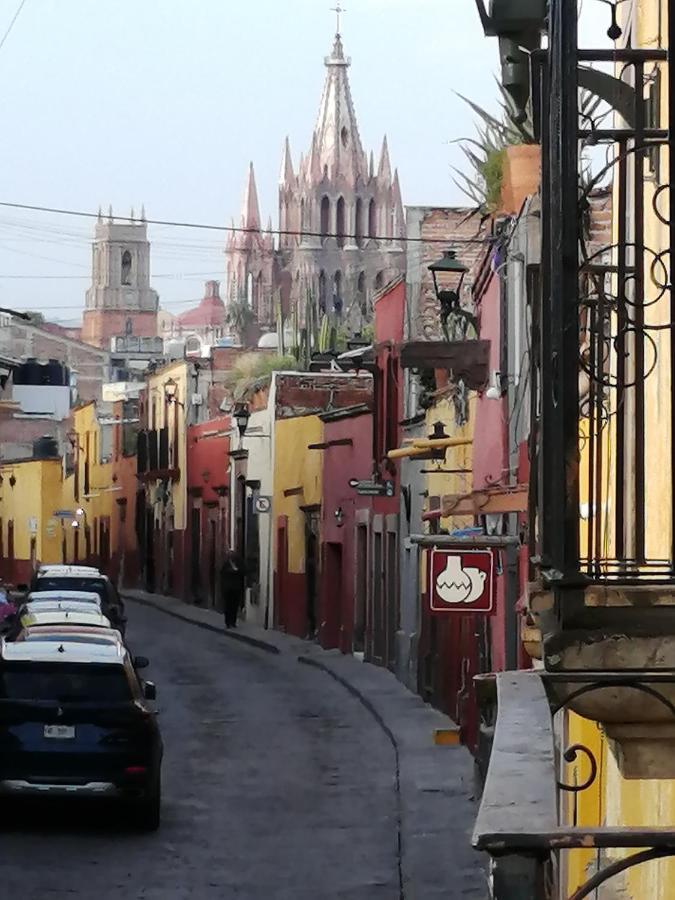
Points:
(233, 229)
(11, 24)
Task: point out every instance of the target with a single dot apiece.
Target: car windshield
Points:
(71, 583)
(64, 683)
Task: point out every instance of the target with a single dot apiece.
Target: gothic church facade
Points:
(341, 222)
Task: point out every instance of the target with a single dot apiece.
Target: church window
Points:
(361, 284)
(344, 137)
(325, 217)
(128, 327)
(358, 223)
(379, 281)
(372, 219)
(340, 222)
(303, 223)
(126, 267)
(259, 297)
(322, 292)
(337, 293)
(249, 289)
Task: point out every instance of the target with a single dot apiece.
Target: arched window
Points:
(361, 283)
(358, 222)
(249, 289)
(340, 225)
(128, 327)
(337, 293)
(372, 219)
(259, 298)
(126, 267)
(322, 291)
(303, 224)
(325, 217)
(379, 281)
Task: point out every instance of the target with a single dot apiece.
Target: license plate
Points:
(60, 732)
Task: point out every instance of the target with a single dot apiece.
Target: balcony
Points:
(154, 462)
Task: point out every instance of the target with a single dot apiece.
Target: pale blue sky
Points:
(164, 102)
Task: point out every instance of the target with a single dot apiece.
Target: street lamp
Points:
(170, 390)
(448, 273)
(241, 417)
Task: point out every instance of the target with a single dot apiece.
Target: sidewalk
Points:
(435, 783)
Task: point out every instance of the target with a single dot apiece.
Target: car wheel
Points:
(147, 812)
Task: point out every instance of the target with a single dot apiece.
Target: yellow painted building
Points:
(296, 505)
(167, 405)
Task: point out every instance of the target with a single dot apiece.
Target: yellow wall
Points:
(174, 416)
(30, 504)
(296, 467)
(455, 458)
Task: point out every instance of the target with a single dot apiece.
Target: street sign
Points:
(64, 514)
(461, 581)
(373, 488)
(33, 525)
(263, 504)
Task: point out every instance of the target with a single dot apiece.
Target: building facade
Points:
(120, 300)
(341, 223)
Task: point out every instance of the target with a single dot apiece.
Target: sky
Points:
(165, 102)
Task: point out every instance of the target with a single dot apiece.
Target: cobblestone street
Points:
(278, 783)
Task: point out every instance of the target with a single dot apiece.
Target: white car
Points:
(66, 570)
(64, 597)
(53, 617)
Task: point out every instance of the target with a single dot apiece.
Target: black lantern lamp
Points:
(448, 273)
(241, 417)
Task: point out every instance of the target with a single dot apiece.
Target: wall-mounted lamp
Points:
(241, 416)
(12, 480)
(339, 516)
(171, 392)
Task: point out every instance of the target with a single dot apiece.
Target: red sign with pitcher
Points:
(461, 581)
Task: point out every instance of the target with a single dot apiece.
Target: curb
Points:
(234, 636)
(370, 707)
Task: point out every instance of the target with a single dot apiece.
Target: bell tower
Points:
(120, 300)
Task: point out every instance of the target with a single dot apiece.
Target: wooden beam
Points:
(482, 503)
(469, 360)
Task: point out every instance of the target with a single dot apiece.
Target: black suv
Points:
(75, 721)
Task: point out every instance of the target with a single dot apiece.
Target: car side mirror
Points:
(149, 690)
(141, 662)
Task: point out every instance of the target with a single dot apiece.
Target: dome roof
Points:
(210, 311)
(269, 341)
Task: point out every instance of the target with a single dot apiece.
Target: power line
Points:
(233, 229)
(11, 24)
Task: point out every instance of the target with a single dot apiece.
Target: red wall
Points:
(340, 464)
(208, 457)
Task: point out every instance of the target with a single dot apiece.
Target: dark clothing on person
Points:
(233, 584)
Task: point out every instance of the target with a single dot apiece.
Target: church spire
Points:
(338, 143)
(287, 176)
(384, 169)
(250, 212)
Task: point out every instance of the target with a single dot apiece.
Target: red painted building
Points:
(208, 529)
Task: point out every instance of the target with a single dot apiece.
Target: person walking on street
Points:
(233, 583)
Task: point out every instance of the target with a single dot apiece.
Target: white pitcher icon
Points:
(458, 585)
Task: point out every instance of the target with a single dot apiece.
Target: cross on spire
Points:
(338, 10)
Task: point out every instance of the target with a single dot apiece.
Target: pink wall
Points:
(389, 308)
(340, 464)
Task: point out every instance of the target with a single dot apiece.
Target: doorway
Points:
(311, 568)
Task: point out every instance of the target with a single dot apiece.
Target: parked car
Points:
(88, 597)
(60, 618)
(75, 721)
(79, 578)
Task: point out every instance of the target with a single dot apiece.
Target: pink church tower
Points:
(341, 220)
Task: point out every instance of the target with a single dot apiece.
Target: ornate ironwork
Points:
(569, 756)
(615, 868)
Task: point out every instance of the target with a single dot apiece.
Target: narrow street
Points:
(277, 784)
